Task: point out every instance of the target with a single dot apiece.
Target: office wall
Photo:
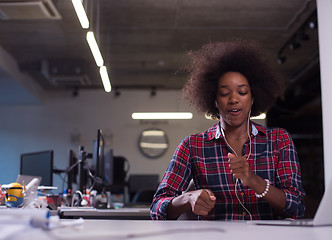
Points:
(64, 122)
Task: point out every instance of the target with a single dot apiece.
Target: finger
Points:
(206, 202)
(211, 194)
(231, 155)
(202, 213)
(242, 176)
(239, 168)
(206, 199)
(237, 159)
(200, 208)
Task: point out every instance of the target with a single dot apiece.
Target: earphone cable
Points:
(237, 180)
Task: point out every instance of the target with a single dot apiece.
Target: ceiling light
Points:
(162, 115)
(262, 116)
(154, 145)
(94, 49)
(312, 24)
(81, 13)
(154, 133)
(105, 79)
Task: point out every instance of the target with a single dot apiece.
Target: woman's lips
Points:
(235, 112)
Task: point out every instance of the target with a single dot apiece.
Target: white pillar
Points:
(324, 10)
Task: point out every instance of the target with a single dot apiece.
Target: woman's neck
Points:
(237, 133)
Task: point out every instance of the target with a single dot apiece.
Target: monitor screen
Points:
(108, 167)
(38, 164)
(72, 170)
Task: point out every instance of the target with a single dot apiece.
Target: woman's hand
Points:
(202, 201)
(240, 169)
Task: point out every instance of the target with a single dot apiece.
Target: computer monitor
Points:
(38, 164)
(98, 154)
(108, 168)
(72, 170)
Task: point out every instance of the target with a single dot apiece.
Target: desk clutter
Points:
(95, 185)
(31, 195)
(20, 195)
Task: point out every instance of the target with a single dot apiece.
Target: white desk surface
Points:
(184, 230)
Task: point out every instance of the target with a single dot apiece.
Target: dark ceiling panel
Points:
(144, 42)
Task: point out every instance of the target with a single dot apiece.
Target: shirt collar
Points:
(217, 132)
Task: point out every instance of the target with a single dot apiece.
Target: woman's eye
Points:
(243, 93)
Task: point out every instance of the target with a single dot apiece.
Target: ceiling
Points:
(144, 42)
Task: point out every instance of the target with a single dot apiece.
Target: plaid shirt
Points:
(203, 158)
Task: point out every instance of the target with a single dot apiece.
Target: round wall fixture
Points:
(153, 143)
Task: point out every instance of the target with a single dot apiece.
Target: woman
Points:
(241, 170)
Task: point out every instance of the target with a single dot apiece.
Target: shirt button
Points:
(244, 213)
(242, 193)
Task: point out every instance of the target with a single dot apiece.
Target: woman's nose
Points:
(234, 99)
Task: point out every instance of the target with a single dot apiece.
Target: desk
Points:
(135, 213)
(170, 230)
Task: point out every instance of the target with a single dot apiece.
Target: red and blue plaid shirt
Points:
(203, 158)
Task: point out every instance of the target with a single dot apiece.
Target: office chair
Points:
(142, 187)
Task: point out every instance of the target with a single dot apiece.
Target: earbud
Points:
(216, 104)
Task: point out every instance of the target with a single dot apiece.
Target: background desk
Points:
(162, 230)
(134, 213)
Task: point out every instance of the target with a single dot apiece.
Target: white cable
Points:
(237, 180)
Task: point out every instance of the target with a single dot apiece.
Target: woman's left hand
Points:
(240, 168)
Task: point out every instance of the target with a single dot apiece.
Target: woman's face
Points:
(234, 99)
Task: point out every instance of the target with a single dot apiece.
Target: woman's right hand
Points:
(202, 201)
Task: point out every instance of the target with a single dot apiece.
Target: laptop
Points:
(323, 216)
(27, 179)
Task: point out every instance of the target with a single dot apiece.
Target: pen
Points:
(23, 183)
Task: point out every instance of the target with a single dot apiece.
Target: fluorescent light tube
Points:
(105, 79)
(154, 133)
(94, 49)
(262, 116)
(81, 13)
(162, 115)
(154, 145)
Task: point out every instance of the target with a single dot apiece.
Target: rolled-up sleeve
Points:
(175, 180)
